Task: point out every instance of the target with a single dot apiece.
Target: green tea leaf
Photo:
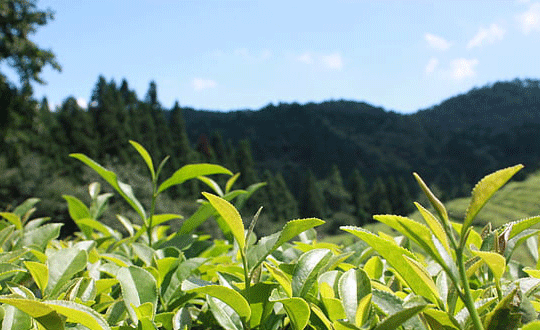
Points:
(297, 309)
(192, 171)
(77, 313)
(495, 262)
(181, 319)
(353, 286)
(395, 254)
(13, 218)
(397, 319)
(123, 189)
(505, 313)
(138, 287)
(483, 191)
(63, 265)
(23, 209)
(267, 245)
(146, 156)
(212, 184)
(230, 182)
(231, 216)
(224, 315)
(437, 205)
(41, 312)
(229, 296)
(39, 272)
(307, 270)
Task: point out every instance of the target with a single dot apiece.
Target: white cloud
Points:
(82, 103)
(432, 64)
(332, 61)
(437, 42)
(306, 58)
(530, 20)
(199, 84)
(490, 35)
(243, 52)
(461, 68)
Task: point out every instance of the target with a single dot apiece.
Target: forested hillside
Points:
(339, 160)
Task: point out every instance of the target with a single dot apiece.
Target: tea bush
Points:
(437, 275)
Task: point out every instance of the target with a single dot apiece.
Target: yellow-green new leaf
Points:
(77, 313)
(483, 191)
(39, 272)
(13, 218)
(395, 254)
(229, 296)
(495, 262)
(146, 156)
(192, 171)
(231, 216)
(297, 310)
(439, 207)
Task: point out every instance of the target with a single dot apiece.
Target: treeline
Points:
(36, 142)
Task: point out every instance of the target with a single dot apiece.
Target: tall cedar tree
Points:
(165, 140)
(110, 120)
(379, 198)
(360, 197)
(337, 197)
(312, 201)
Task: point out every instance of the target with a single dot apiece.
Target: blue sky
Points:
(229, 55)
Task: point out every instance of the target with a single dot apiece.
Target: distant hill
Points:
(464, 137)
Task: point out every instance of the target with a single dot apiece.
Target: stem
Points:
(152, 210)
(247, 278)
(468, 299)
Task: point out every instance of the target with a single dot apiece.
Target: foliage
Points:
(438, 275)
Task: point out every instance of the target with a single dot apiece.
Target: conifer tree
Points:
(360, 197)
(312, 201)
(379, 198)
(165, 140)
(337, 197)
(182, 147)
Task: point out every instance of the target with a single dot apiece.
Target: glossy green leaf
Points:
(483, 191)
(534, 325)
(506, 312)
(435, 226)
(267, 245)
(307, 270)
(146, 157)
(422, 273)
(8, 270)
(229, 296)
(495, 262)
(230, 182)
(224, 315)
(297, 310)
(353, 286)
(212, 184)
(181, 319)
(39, 272)
(192, 171)
(258, 297)
(123, 189)
(397, 319)
(395, 254)
(138, 287)
(80, 314)
(231, 216)
(437, 205)
(45, 315)
(23, 209)
(13, 218)
(92, 224)
(158, 219)
(63, 265)
(280, 277)
(321, 321)
(39, 237)
(442, 318)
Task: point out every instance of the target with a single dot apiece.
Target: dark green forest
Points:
(338, 160)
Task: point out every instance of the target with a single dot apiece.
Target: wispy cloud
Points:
(82, 103)
(431, 65)
(437, 42)
(490, 35)
(461, 68)
(332, 61)
(200, 84)
(306, 58)
(245, 53)
(530, 20)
